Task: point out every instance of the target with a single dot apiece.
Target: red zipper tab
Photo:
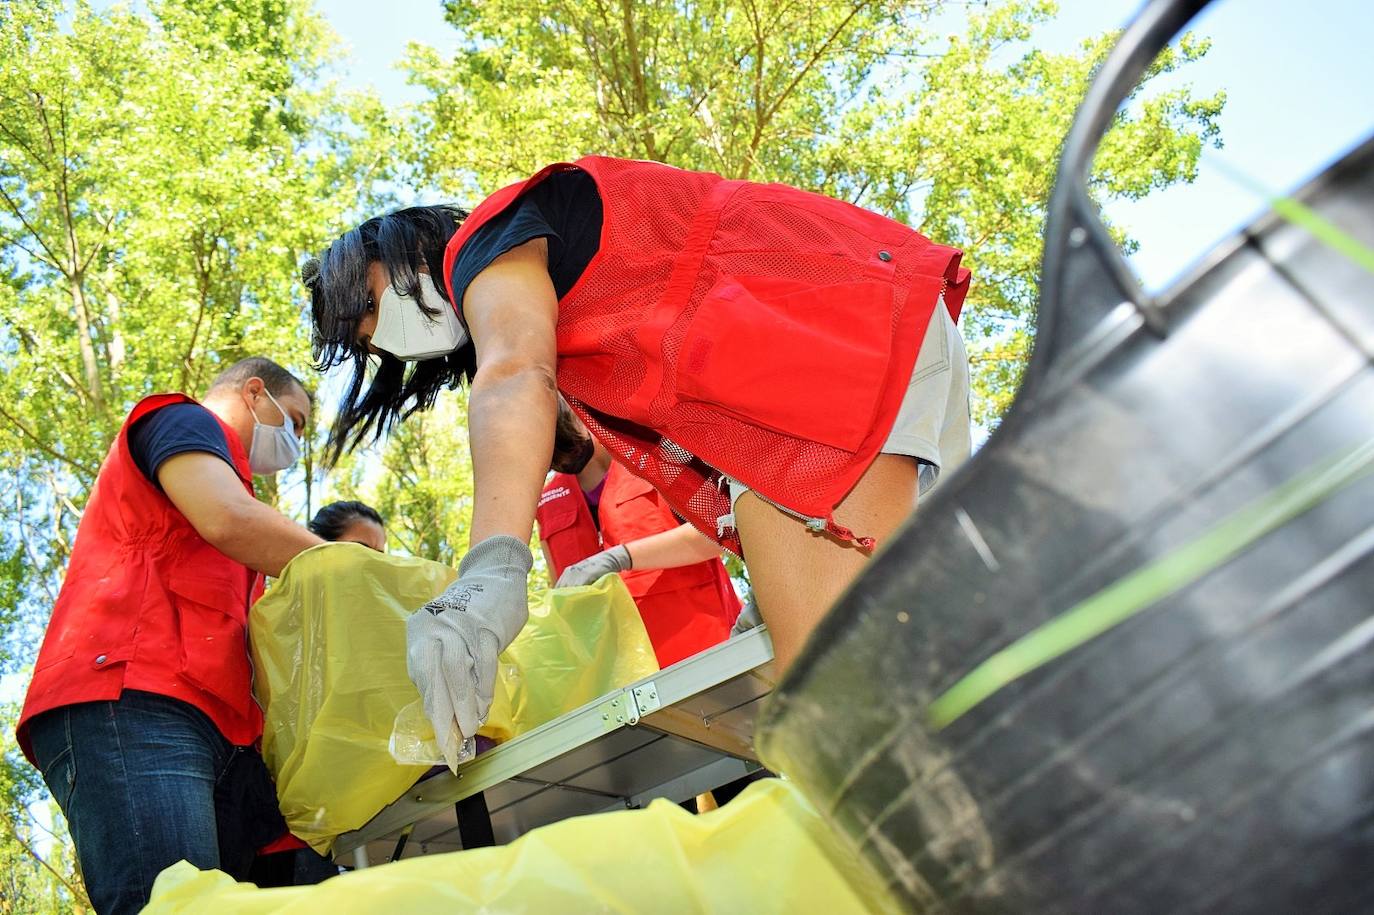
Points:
(867, 544)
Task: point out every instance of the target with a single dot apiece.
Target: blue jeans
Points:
(136, 779)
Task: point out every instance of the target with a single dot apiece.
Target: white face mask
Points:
(277, 447)
(405, 331)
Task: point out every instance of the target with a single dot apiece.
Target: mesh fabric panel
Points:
(671, 237)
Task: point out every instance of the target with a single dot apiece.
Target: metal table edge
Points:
(608, 713)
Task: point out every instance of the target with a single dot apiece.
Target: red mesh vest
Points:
(147, 604)
(685, 610)
(729, 327)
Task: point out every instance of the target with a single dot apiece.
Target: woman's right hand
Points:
(453, 642)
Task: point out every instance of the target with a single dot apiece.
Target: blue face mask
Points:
(273, 448)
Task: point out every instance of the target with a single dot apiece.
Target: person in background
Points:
(595, 518)
(140, 714)
(350, 522)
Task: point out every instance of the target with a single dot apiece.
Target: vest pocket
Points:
(805, 361)
(557, 514)
(214, 646)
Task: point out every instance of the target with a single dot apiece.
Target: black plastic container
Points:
(1213, 752)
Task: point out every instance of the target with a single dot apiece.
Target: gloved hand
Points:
(616, 559)
(748, 618)
(452, 642)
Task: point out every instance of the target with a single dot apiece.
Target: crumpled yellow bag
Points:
(767, 851)
(579, 644)
(328, 644)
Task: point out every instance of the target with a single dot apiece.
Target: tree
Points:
(162, 172)
(161, 175)
(37, 872)
(37, 869)
(861, 99)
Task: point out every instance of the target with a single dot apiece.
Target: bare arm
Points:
(211, 496)
(511, 311)
(681, 546)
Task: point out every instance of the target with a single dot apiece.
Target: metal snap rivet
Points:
(884, 255)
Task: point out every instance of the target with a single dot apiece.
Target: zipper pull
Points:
(867, 544)
(725, 523)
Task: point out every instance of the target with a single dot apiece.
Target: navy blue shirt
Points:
(564, 208)
(173, 430)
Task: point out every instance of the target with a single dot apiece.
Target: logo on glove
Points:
(461, 599)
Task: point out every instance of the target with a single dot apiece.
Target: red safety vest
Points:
(566, 527)
(147, 604)
(685, 610)
(728, 327)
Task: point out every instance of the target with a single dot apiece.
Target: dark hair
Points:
(573, 445)
(277, 380)
(329, 522)
(337, 281)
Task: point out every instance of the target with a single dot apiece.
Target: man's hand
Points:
(213, 498)
(616, 559)
(452, 642)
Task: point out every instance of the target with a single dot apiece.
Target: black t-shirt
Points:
(175, 430)
(564, 208)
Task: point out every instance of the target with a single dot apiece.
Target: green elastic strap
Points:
(1128, 596)
(1325, 231)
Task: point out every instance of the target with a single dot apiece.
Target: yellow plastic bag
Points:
(328, 644)
(579, 643)
(767, 851)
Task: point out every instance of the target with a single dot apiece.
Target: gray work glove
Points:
(616, 559)
(748, 616)
(453, 641)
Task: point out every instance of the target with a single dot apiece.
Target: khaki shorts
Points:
(932, 425)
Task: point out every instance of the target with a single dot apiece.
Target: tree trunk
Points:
(89, 363)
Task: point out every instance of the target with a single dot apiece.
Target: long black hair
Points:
(337, 281)
(331, 520)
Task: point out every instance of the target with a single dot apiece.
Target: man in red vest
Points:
(599, 518)
(140, 714)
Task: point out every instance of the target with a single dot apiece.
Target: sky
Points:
(1299, 78)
